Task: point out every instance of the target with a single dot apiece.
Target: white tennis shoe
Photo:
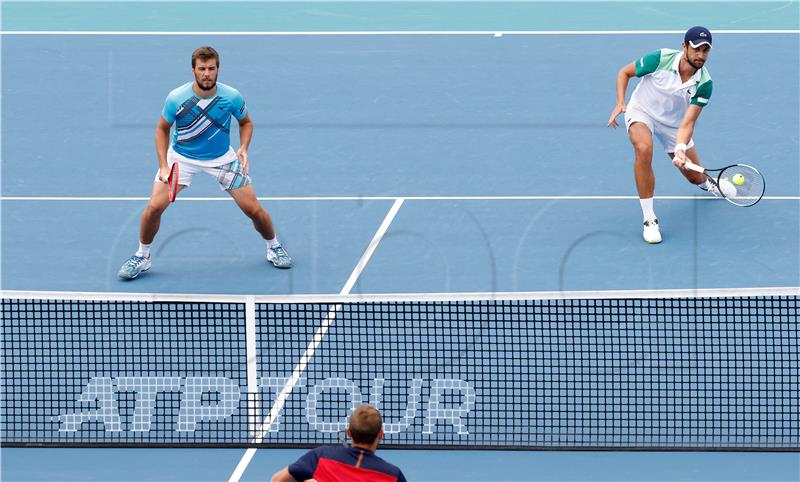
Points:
(134, 266)
(279, 257)
(651, 233)
(711, 188)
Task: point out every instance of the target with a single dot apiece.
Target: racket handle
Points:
(693, 167)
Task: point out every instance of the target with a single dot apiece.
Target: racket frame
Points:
(172, 182)
(709, 173)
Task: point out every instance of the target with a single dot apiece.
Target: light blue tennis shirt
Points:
(202, 126)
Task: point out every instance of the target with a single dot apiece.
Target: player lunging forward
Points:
(202, 112)
(674, 88)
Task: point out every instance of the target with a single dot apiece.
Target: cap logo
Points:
(702, 34)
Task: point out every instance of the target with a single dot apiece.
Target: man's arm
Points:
(283, 476)
(245, 135)
(685, 132)
(623, 77)
(304, 468)
(162, 144)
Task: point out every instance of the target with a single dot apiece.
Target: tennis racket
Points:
(172, 181)
(739, 184)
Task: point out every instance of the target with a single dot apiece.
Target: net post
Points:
(252, 401)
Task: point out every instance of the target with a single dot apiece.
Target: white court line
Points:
(280, 401)
(381, 198)
(250, 351)
(362, 263)
(494, 33)
(401, 297)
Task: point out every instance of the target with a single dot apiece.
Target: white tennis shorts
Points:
(666, 134)
(226, 169)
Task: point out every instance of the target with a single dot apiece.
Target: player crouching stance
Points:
(202, 111)
(674, 88)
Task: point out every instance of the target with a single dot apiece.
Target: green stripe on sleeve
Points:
(703, 94)
(648, 64)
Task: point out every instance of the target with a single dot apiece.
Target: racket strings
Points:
(747, 182)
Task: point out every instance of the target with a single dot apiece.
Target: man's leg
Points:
(151, 217)
(247, 201)
(245, 198)
(148, 227)
(642, 141)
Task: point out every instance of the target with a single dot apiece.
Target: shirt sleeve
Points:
(648, 64)
(170, 109)
(305, 466)
(238, 106)
(703, 94)
(401, 477)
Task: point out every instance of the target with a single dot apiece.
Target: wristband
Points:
(680, 147)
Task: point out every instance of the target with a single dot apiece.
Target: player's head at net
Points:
(356, 462)
(366, 427)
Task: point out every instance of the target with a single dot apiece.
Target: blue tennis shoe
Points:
(134, 266)
(278, 257)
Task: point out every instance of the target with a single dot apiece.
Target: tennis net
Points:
(666, 370)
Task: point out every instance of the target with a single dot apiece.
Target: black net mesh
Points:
(675, 373)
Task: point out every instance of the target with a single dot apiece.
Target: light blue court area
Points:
(203, 247)
(385, 15)
(568, 245)
(448, 147)
(432, 246)
(113, 465)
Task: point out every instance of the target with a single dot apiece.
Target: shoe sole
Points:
(132, 277)
(651, 242)
(654, 241)
(279, 267)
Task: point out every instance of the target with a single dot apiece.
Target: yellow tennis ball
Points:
(738, 179)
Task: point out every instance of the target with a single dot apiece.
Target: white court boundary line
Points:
(403, 297)
(495, 33)
(250, 353)
(280, 400)
(379, 198)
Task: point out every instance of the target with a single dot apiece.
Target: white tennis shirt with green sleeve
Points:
(662, 94)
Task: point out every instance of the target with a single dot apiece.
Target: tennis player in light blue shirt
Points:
(202, 112)
(202, 125)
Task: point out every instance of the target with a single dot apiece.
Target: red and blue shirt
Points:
(344, 464)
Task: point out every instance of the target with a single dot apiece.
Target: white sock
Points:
(271, 243)
(705, 185)
(144, 250)
(647, 209)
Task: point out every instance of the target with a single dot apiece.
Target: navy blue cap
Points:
(697, 36)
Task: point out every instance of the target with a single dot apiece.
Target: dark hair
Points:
(365, 424)
(204, 53)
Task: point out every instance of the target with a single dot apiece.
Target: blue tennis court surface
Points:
(481, 159)
(354, 118)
